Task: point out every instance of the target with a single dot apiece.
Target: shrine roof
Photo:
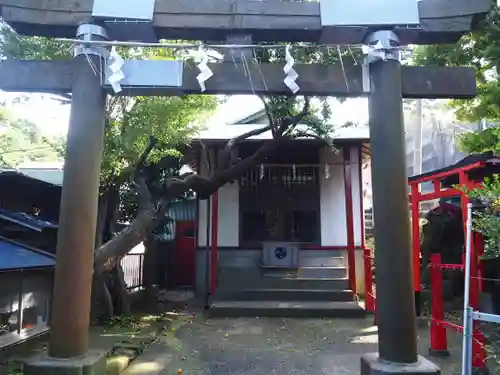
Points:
(448, 174)
(27, 221)
(226, 132)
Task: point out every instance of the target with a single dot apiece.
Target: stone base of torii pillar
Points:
(92, 363)
(371, 364)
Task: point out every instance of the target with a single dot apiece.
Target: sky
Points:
(53, 118)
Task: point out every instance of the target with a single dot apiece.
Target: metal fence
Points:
(480, 330)
(369, 222)
(133, 267)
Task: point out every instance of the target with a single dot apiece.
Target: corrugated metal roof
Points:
(15, 256)
(179, 211)
(225, 132)
(51, 176)
(26, 220)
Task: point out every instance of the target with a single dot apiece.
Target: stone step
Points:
(318, 295)
(281, 309)
(240, 283)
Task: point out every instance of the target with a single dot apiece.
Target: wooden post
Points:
(351, 256)
(393, 257)
(214, 243)
(20, 307)
(78, 215)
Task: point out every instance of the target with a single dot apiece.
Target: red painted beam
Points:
(334, 247)
(451, 172)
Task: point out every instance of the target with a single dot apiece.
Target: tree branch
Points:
(305, 134)
(204, 187)
(226, 156)
(138, 180)
(268, 114)
(208, 161)
(292, 121)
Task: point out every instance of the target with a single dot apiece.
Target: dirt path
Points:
(196, 346)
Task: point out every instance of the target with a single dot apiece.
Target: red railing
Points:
(438, 324)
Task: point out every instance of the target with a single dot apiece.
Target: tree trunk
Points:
(103, 297)
(118, 290)
(129, 237)
(102, 303)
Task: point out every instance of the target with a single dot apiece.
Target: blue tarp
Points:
(15, 256)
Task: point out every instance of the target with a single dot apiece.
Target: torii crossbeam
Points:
(385, 83)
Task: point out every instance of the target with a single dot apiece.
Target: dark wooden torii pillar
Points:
(78, 212)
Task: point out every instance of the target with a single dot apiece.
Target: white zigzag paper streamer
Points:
(205, 72)
(291, 74)
(115, 64)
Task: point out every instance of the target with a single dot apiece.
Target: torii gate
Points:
(329, 22)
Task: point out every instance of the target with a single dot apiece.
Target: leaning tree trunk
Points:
(102, 308)
(118, 290)
(110, 288)
(109, 293)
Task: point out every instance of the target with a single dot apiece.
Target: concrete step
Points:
(306, 272)
(292, 309)
(318, 295)
(322, 272)
(238, 278)
(311, 259)
(243, 282)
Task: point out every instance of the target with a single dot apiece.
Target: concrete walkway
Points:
(195, 346)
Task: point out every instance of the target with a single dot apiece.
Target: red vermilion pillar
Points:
(361, 197)
(351, 256)
(438, 339)
(214, 243)
(415, 226)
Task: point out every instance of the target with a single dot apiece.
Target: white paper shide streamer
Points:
(291, 74)
(115, 65)
(205, 72)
